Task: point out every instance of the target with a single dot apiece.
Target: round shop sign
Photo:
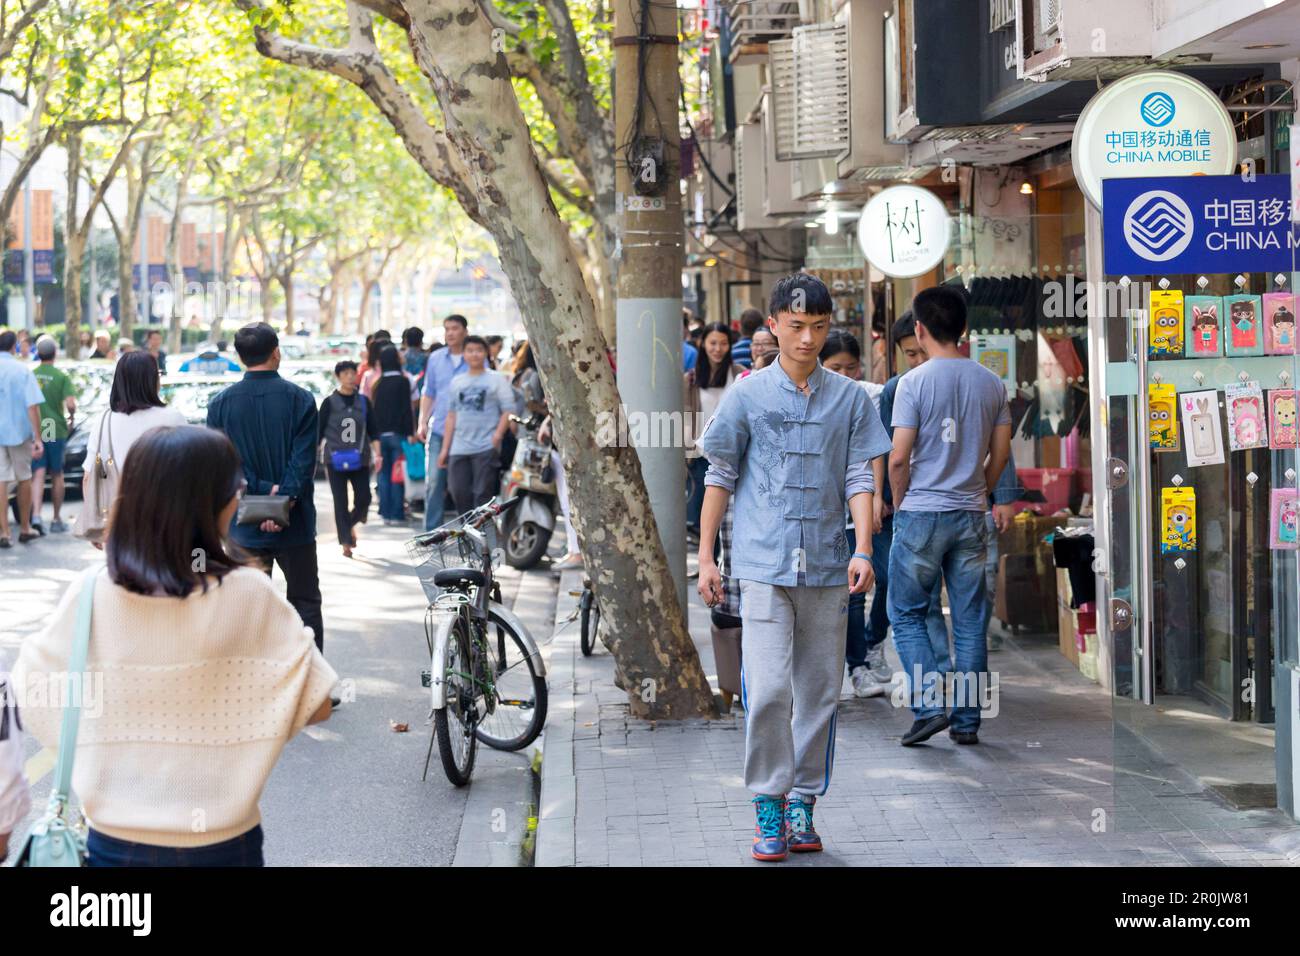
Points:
(1152, 124)
(904, 231)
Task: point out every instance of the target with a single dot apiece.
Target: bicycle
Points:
(588, 617)
(481, 688)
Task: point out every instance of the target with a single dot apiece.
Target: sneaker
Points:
(769, 829)
(995, 640)
(799, 831)
(58, 527)
(879, 667)
(570, 560)
(923, 730)
(864, 682)
(964, 736)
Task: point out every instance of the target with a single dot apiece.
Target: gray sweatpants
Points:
(792, 661)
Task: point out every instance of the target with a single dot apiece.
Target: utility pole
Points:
(29, 257)
(649, 308)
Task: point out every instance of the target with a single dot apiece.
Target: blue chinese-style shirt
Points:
(792, 461)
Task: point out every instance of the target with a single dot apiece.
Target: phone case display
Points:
(1282, 431)
(1279, 323)
(997, 353)
(1178, 509)
(1201, 427)
(1166, 322)
(1283, 507)
(1162, 410)
(1246, 425)
(1244, 317)
(1204, 338)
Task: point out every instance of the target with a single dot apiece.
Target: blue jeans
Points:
(991, 571)
(930, 546)
(697, 468)
(865, 634)
(243, 850)
(435, 484)
(392, 494)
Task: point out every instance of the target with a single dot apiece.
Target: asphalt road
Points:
(347, 792)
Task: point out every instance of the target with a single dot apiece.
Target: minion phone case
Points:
(1284, 515)
(1279, 323)
(1178, 511)
(1204, 326)
(1166, 317)
(1162, 417)
(1243, 325)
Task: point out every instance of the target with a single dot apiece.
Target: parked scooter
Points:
(526, 530)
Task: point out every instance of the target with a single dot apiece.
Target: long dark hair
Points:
(389, 359)
(708, 375)
(135, 384)
(164, 533)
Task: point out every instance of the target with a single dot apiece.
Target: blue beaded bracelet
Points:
(864, 557)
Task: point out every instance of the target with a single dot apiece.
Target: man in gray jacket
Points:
(793, 442)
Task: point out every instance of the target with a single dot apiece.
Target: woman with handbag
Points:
(134, 407)
(197, 671)
(394, 424)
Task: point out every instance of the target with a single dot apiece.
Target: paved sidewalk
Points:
(1051, 783)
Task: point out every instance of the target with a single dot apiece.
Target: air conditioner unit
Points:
(750, 172)
(756, 22)
(808, 177)
(778, 196)
(1061, 39)
(809, 91)
(868, 146)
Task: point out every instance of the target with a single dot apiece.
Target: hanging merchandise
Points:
(1282, 522)
(997, 353)
(1201, 426)
(1178, 505)
(1166, 322)
(1246, 426)
(1162, 403)
(1279, 323)
(1282, 431)
(1245, 337)
(1204, 337)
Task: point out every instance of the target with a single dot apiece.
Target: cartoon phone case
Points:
(1166, 317)
(1204, 326)
(1284, 515)
(1178, 509)
(1282, 430)
(1162, 413)
(1243, 325)
(1201, 427)
(1247, 427)
(1279, 323)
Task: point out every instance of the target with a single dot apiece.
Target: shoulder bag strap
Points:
(76, 673)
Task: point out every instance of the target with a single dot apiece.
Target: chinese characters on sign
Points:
(904, 231)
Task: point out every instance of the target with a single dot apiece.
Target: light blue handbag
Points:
(54, 840)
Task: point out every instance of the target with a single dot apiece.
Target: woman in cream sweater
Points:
(199, 672)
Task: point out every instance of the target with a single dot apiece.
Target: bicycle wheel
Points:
(589, 621)
(518, 706)
(454, 724)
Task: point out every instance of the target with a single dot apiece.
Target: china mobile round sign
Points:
(1152, 124)
(904, 231)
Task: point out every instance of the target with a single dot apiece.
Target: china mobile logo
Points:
(1157, 108)
(1158, 225)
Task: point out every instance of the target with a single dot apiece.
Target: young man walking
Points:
(56, 419)
(952, 439)
(443, 365)
(273, 424)
(351, 439)
(793, 442)
(481, 403)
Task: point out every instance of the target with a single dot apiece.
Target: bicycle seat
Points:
(458, 577)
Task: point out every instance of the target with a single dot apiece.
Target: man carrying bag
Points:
(351, 442)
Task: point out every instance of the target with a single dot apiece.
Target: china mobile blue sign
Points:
(1198, 224)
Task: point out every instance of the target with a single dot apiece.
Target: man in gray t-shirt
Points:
(952, 437)
(481, 401)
